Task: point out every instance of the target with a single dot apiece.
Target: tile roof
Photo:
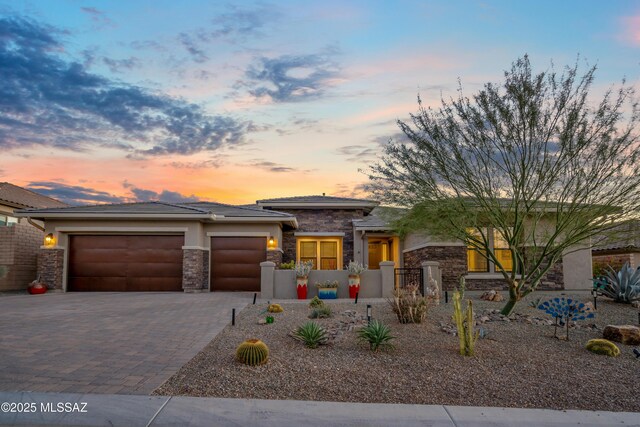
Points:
(379, 219)
(163, 208)
(22, 198)
(315, 199)
(625, 236)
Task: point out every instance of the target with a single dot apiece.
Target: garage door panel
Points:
(154, 255)
(92, 255)
(232, 256)
(235, 263)
(154, 270)
(99, 284)
(93, 269)
(125, 263)
(105, 242)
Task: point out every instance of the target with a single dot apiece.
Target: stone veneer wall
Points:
(50, 267)
(453, 264)
(195, 269)
(275, 256)
(19, 245)
(452, 259)
(322, 220)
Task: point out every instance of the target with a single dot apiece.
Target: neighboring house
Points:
(158, 246)
(618, 248)
(19, 240)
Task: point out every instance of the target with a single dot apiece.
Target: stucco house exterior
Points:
(19, 239)
(206, 246)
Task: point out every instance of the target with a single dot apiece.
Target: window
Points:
(476, 260)
(6, 220)
(324, 253)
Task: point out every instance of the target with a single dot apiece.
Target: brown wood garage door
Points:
(235, 263)
(125, 263)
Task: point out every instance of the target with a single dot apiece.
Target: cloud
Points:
(46, 100)
(73, 194)
(98, 17)
(118, 65)
(630, 31)
(357, 191)
(274, 167)
(367, 153)
(197, 54)
(291, 78)
(203, 164)
(142, 195)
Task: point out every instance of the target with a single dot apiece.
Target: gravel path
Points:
(517, 365)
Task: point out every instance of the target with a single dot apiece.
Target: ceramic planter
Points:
(37, 289)
(354, 285)
(328, 293)
(301, 287)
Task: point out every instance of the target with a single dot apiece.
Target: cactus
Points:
(252, 352)
(601, 346)
(316, 302)
(275, 308)
(465, 325)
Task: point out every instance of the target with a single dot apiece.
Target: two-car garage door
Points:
(125, 263)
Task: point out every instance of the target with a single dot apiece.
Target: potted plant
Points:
(302, 270)
(355, 269)
(328, 289)
(36, 287)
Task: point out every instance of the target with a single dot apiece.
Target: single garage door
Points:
(125, 263)
(235, 263)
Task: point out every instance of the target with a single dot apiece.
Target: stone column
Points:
(435, 273)
(195, 269)
(50, 267)
(267, 274)
(388, 278)
(275, 256)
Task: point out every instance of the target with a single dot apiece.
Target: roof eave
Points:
(120, 216)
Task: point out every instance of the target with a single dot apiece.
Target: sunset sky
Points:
(109, 101)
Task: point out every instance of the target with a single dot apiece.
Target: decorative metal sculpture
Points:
(566, 310)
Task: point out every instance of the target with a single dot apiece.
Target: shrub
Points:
(355, 268)
(303, 269)
(322, 312)
(601, 346)
(288, 265)
(622, 286)
(409, 305)
(377, 334)
(311, 334)
(316, 302)
(328, 284)
(252, 352)
(465, 325)
(275, 308)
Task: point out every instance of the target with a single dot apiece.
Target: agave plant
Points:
(621, 286)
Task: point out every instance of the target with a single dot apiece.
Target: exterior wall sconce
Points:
(271, 243)
(49, 240)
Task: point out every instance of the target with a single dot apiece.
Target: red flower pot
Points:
(353, 290)
(302, 292)
(37, 289)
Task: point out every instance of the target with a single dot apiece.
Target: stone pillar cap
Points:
(267, 264)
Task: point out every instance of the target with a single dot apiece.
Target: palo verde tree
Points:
(532, 158)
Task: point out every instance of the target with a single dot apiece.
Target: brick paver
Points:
(122, 343)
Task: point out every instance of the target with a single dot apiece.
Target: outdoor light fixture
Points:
(595, 298)
(49, 239)
(368, 314)
(271, 241)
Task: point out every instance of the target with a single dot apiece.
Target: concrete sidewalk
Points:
(66, 409)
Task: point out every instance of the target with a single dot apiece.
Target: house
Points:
(620, 247)
(206, 246)
(20, 240)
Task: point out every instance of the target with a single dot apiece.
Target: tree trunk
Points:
(514, 297)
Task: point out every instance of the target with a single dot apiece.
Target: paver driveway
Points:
(105, 342)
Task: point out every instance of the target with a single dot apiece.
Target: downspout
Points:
(38, 226)
(362, 246)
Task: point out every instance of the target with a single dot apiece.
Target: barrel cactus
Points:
(275, 308)
(252, 352)
(601, 346)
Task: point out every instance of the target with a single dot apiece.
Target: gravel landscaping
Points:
(518, 364)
